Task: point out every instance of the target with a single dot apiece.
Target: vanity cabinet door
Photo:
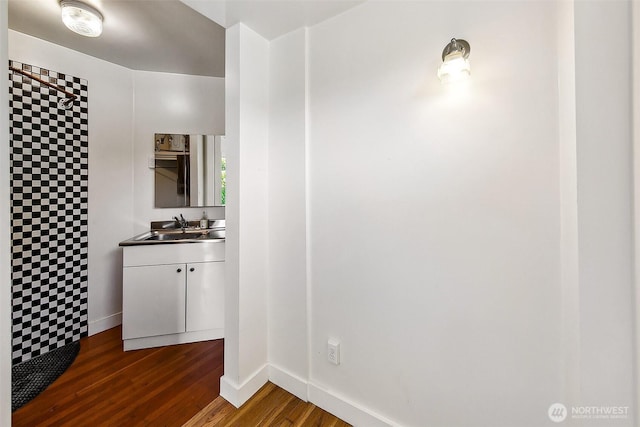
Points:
(153, 300)
(205, 296)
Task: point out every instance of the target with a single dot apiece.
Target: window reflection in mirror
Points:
(190, 170)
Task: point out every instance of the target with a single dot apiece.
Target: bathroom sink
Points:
(215, 234)
(176, 236)
(154, 235)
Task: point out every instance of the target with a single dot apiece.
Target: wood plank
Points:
(165, 386)
(293, 411)
(105, 385)
(270, 406)
(212, 414)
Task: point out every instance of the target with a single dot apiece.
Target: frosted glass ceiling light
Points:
(455, 62)
(81, 18)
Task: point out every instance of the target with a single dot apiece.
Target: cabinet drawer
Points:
(172, 253)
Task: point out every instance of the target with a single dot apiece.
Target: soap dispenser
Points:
(204, 222)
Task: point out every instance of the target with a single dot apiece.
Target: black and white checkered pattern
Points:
(49, 212)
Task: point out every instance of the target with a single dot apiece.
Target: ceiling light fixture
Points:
(455, 62)
(81, 18)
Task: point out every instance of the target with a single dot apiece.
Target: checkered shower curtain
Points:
(49, 210)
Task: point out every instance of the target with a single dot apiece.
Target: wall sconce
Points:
(81, 18)
(455, 62)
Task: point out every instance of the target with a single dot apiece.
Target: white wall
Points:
(604, 172)
(635, 7)
(247, 133)
(568, 200)
(110, 165)
(170, 103)
(470, 247)
(435, 215)
(232, 215)
(5, 235)
(287, 211)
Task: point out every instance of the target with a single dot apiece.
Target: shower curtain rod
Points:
(71, 97)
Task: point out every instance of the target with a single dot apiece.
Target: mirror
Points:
(190, 170)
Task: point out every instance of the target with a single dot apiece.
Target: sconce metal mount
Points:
(457, 45)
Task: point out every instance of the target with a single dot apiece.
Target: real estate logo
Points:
(557, 412)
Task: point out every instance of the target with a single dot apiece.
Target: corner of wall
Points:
(238, 394)
(5, 273)
(232, 301)
(245, 287)
(104, 323)
(289, 381)
(288, 291)
(289, 266)
(309, 392)
(635, 25)
(568, 200)
(607, 214)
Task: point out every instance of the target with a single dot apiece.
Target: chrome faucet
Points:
(181, 222)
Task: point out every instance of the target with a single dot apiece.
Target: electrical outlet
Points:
(333, 351)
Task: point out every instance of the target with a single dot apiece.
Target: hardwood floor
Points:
(165, 386)
(270, 406)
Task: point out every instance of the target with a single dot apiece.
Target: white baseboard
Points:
(344, 409)
(101, 325)
(173, 339)
(337, 405)
(288, 381)
(237, 395)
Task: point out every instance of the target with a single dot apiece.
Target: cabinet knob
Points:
(179, 270)
(192, 269)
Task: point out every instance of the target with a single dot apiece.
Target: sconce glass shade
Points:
(455, 62)
(81, 18)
